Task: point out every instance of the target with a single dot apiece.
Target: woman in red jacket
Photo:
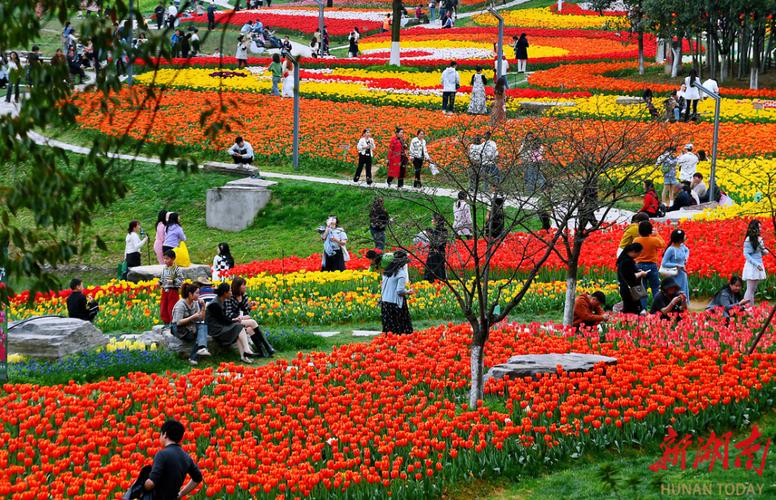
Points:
(397, 158)
(651, 202)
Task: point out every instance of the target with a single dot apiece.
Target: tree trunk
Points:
(754, 75)
(641, 52)
(669, 57)
(395, 59)
(571, 296)
(676, 54)
(724, 68)
(477, 359)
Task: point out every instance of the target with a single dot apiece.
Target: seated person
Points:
(669, 300)
(247, 27)
(448, 22)
(188, 321)
(588, 309)
(729, 297)
(241, 151)
(258, 27)
(379, 260)
(651, 205)
(79, 305)
(683, 199)
(699, 190)
(287, 44)
(206, 291)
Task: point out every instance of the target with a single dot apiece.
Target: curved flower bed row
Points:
(544, 17)
(375, 419)
(338, 23)
(593, 76)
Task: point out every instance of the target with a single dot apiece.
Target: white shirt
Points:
(475, 153)
(712, 85)
(366, 146)
(462, 218)
(133, 243)
(172, 10)
(504, 66)
(489, 153)
(691, 93)
(237, 150)
(450, 80)
(242, 50)
(418, 148)
(687, 163)
(700, 189)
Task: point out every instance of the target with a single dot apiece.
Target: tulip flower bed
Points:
(545, 18)
(338, 22)
(372, 420)
(299, 298)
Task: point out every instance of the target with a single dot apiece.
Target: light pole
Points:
(321, 5)
(129, 43)
(715, 139)
(3, 326)
(500, 50)
(295, 153)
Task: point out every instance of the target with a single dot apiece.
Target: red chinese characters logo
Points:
(751, 452)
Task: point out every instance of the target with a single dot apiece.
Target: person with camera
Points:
(669, 300)
(133, 244)
(80, 305)
(335, 254)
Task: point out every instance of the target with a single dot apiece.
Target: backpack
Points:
(661, 210)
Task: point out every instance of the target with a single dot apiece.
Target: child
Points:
(223, 261)
(170, 281)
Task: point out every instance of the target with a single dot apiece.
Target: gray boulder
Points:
(165, 340)
(146, 273)
(54, 338)
(530, 365)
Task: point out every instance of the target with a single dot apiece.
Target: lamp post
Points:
(295, 153)
(3, 326)
(129, 43)
(321, 5)
(715, 138)
(500, 49)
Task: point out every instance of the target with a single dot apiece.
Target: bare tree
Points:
(493, 187)
(599, 164)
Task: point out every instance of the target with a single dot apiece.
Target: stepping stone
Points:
(366, 333)
(530, 365)
(629, 100)
(326, 334)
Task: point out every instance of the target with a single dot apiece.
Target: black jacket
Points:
(79, 307)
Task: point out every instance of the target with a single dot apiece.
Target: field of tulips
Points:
(297, 298)
(547, 18)
(384, 418)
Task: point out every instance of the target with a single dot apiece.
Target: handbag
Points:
(121, 270)
(637, 292)
(182, 257)
(668, 272)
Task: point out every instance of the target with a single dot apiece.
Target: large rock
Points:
(234, 206)
(540, 106)
(165, 340)
(145, 273)
(54, 338)
(530, 365)
(629, 100)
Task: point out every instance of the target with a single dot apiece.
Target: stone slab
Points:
(174, 344)
(234, 208)
(230, 168)
(326, 334)
(545, 105)
(252, 182)
(54, 338)
(629, 100)
(145, 273)
(366, 333)
(530, 365)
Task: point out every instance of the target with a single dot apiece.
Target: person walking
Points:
(667, 164)
(462, 217)
(378, 221)
(211, 16)
(498, 112)
(649, 258)
(13, 68)
(173, 234)
(521, 53)
(395, 291)
(754, 269)
(691, 95)
(477, 101)
(159, 15)
(133, 244)
(419, 154)
(161, 229)
(675, 261)
(397, 159)
(366, 149)
(628, 277)
(171, 466)
(334, 249)
(437, 251)
(451, 80)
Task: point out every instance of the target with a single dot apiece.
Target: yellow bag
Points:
(182, 257)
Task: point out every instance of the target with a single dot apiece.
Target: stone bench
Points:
(230, 168)
(166, 340)
(629, 100)
(146, 273)
(541, 106)
(53, 337)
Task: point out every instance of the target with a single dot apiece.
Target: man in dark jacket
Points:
(172, 465)
(211, 17)
(683, 199)
(78, 305)
(669, 300)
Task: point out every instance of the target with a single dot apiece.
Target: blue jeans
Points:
(378, 235)
(432, 14)
(188, 336)
(275, 89)
(652, 280)
(677, 113)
